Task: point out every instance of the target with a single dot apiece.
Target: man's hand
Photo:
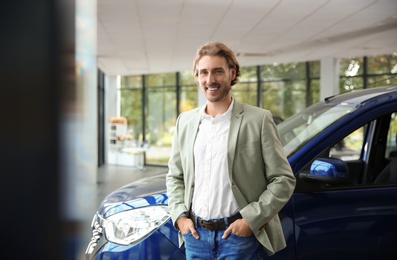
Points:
(185, 225)
(239, 227)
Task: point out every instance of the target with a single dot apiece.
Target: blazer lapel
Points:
(235, 124)
(193, 129)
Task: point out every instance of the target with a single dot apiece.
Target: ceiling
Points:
(155, 36)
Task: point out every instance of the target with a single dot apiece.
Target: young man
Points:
(228, 175)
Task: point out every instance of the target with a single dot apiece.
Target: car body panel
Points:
(360, 222)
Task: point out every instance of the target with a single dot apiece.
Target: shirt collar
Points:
(227, 114)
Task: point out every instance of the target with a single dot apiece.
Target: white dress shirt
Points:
(213, 197)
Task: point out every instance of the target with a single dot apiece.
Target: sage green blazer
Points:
(260, 175)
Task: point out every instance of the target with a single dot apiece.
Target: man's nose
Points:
(211, 77)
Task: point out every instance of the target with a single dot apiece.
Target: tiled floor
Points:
(111, 177)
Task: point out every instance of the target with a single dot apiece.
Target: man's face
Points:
(215, 77)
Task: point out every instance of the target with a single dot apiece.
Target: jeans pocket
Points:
(241, 247)
(189, 233)
(242, 237)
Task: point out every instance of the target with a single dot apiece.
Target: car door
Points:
(356, 218)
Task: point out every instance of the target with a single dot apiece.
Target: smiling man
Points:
(228, 175)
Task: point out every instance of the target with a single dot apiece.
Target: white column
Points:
(111, 97)
(329, 77)
(201, 100)
(111, 106)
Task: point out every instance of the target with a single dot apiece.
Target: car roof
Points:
(361, 96)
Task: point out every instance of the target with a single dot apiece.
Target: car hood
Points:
(144, 192)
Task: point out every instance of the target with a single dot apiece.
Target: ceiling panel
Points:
(155, 36)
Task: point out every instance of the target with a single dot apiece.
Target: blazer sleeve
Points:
(175, 179)
(279, 178)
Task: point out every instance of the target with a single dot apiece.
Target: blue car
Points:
(343, 152)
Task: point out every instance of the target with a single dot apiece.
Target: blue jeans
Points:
(212, 246)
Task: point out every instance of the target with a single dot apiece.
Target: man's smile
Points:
(213, 87)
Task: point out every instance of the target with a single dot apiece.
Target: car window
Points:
(350, 147)
(298, 129)
(391, 143)
(368, 150)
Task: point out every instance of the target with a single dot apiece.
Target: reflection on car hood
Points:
(151, 190)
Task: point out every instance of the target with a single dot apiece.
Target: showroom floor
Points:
(111, 177)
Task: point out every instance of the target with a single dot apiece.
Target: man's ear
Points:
(234, 73)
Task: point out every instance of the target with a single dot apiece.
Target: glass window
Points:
(347, 84)
(283, 71)
(273, 97)
(248, 74)
(383, 64)
(161, 79)
(284, 98)
(160, 120)
(131, 82)
(131, 108)
(314, 92)
(350, 147)
(382, 80)
(247, 88)
(188, 91)
(391, 143)
(186, 78)
(188, 97)
(246, 92)
(303, 126)
(350, 67)
(294, 99)
(314, 69)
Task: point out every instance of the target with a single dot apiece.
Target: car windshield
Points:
(303, 126)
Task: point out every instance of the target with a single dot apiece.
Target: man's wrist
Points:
(183, 214)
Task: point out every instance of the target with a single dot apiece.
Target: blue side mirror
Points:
(327, 170)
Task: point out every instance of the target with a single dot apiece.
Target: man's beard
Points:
(224, 91)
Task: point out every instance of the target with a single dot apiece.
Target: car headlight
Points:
(130, 226)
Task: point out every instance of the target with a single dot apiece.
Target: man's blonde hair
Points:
(217, 49)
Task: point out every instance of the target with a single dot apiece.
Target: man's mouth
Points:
(212, 88)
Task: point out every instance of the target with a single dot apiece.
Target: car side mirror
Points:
(327, 170)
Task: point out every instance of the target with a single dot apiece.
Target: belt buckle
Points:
(214, 224)
(207, 224)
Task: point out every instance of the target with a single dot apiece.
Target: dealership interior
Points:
(92, 90)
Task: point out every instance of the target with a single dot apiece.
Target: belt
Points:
(214, 224)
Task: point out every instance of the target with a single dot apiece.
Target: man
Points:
(228, 175)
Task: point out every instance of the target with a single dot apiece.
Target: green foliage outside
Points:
(285, 90)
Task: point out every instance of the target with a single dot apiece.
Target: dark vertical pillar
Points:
(259, 88)
(36, 65)
(365, 72)
(178, 93)
(101, 118)
(144, 108)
